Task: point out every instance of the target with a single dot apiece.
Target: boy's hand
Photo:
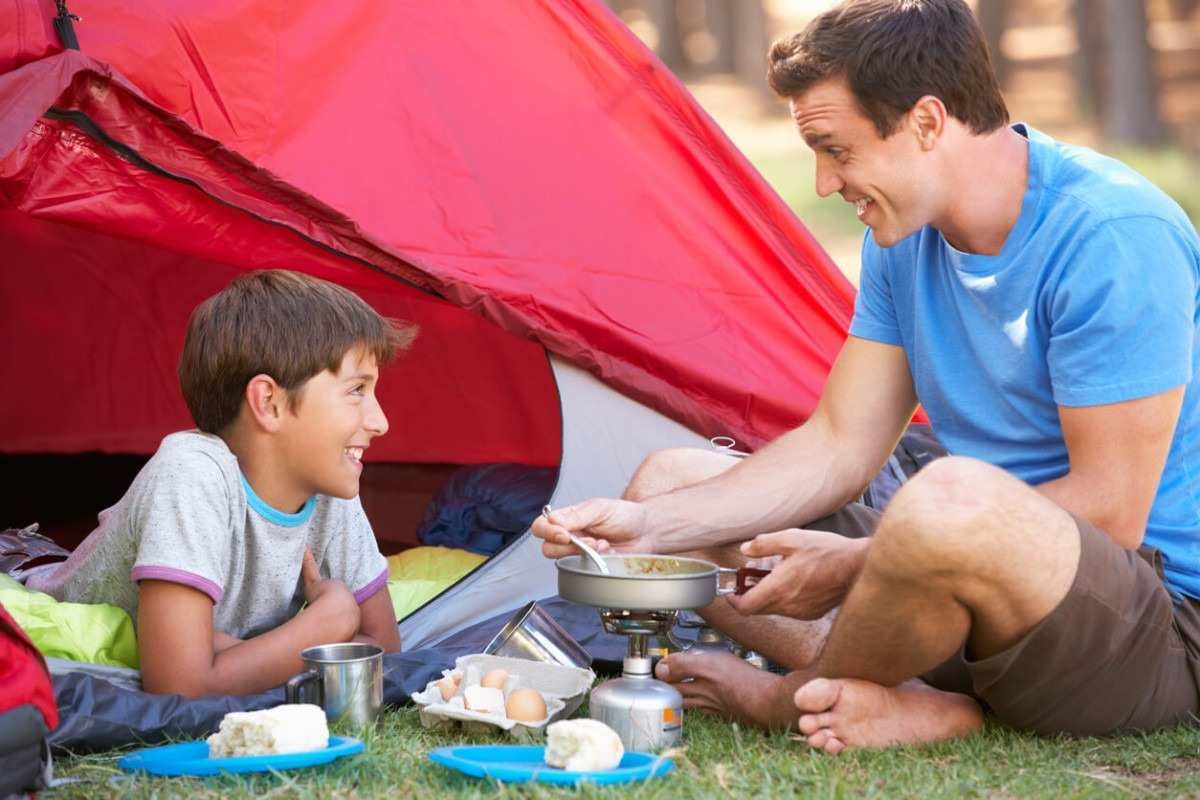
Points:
(329, 597)
(314, 584)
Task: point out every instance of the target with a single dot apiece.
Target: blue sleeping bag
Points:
(482, 508)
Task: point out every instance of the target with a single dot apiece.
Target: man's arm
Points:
(807, 473)
(1117, 453)
(867, 401)
(378, 622)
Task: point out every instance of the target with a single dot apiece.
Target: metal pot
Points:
(649, 582)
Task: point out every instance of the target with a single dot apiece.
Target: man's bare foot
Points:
(836, 714)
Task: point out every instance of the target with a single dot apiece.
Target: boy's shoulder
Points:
(193, 446)
(188, 462)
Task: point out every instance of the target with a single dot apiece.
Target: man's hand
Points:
(724, 684)
(604, 524)
(813, 577)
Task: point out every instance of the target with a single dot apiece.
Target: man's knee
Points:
(946, 512)
(666, 470)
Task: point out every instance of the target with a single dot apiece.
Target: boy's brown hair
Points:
(892, 53)
(284, 324)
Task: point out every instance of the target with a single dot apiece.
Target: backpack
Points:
(27, 711)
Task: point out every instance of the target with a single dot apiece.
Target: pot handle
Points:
(747, 577)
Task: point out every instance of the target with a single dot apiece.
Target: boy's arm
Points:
(179, 647)
(378, 622)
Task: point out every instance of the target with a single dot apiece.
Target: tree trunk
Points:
(670, 46)
(1088, 60)
(719, 19)
(1132, 113)
(993, 19)
(750, 48)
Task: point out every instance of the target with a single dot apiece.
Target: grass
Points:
(719, 760)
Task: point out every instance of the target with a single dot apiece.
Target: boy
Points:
(229, 529)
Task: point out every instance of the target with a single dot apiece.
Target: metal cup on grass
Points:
(344, 679)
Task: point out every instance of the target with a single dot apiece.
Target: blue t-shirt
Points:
(1093, 300)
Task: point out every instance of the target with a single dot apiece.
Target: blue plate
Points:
(191, 758)
(516, 763)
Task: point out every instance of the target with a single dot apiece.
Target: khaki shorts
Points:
(1117, 654)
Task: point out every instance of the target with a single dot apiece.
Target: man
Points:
(1040, 302)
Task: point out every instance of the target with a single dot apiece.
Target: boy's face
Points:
(332, 422)
(888, 180)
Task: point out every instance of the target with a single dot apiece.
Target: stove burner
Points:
(655, 623)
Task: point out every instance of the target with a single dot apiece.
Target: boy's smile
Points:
(334, 417)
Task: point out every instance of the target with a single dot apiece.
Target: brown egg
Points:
(525, 705)
(447, 687)
(456, 676)
(494, 679)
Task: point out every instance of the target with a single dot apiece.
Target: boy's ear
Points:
(266, 401)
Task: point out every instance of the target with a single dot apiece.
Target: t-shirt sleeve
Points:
(182, 516)
(874, 310)
(1122, 315)
(351, 554)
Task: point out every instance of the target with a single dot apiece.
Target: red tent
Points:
(517, 177)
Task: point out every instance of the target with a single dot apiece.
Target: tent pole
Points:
(64, 25)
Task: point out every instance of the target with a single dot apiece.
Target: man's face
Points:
(889, 181)
(331, 425)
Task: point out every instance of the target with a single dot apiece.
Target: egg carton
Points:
(563, 688)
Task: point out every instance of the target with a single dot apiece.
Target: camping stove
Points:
(645, 712)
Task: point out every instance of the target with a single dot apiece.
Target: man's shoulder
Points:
(1092, 189)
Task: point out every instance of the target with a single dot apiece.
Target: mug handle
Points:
(295, 686)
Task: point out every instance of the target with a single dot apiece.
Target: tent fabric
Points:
(568, 190)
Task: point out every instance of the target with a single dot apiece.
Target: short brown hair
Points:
(892, 53)
(284, 324)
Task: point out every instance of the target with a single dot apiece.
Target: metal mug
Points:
(347, 680)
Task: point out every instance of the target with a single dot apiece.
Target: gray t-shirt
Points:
(190, 517)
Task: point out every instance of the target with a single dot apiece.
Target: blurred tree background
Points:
(1122, 76)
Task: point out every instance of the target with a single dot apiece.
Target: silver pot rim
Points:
(573, 564)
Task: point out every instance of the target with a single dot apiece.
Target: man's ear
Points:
(266, 400)
(927, 118)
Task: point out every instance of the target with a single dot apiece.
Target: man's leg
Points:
(786, 641)
(965, 553)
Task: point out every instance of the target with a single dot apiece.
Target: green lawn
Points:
(720, 760)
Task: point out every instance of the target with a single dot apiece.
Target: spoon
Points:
(592, 555)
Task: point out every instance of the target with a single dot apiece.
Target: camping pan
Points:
(649, 582)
